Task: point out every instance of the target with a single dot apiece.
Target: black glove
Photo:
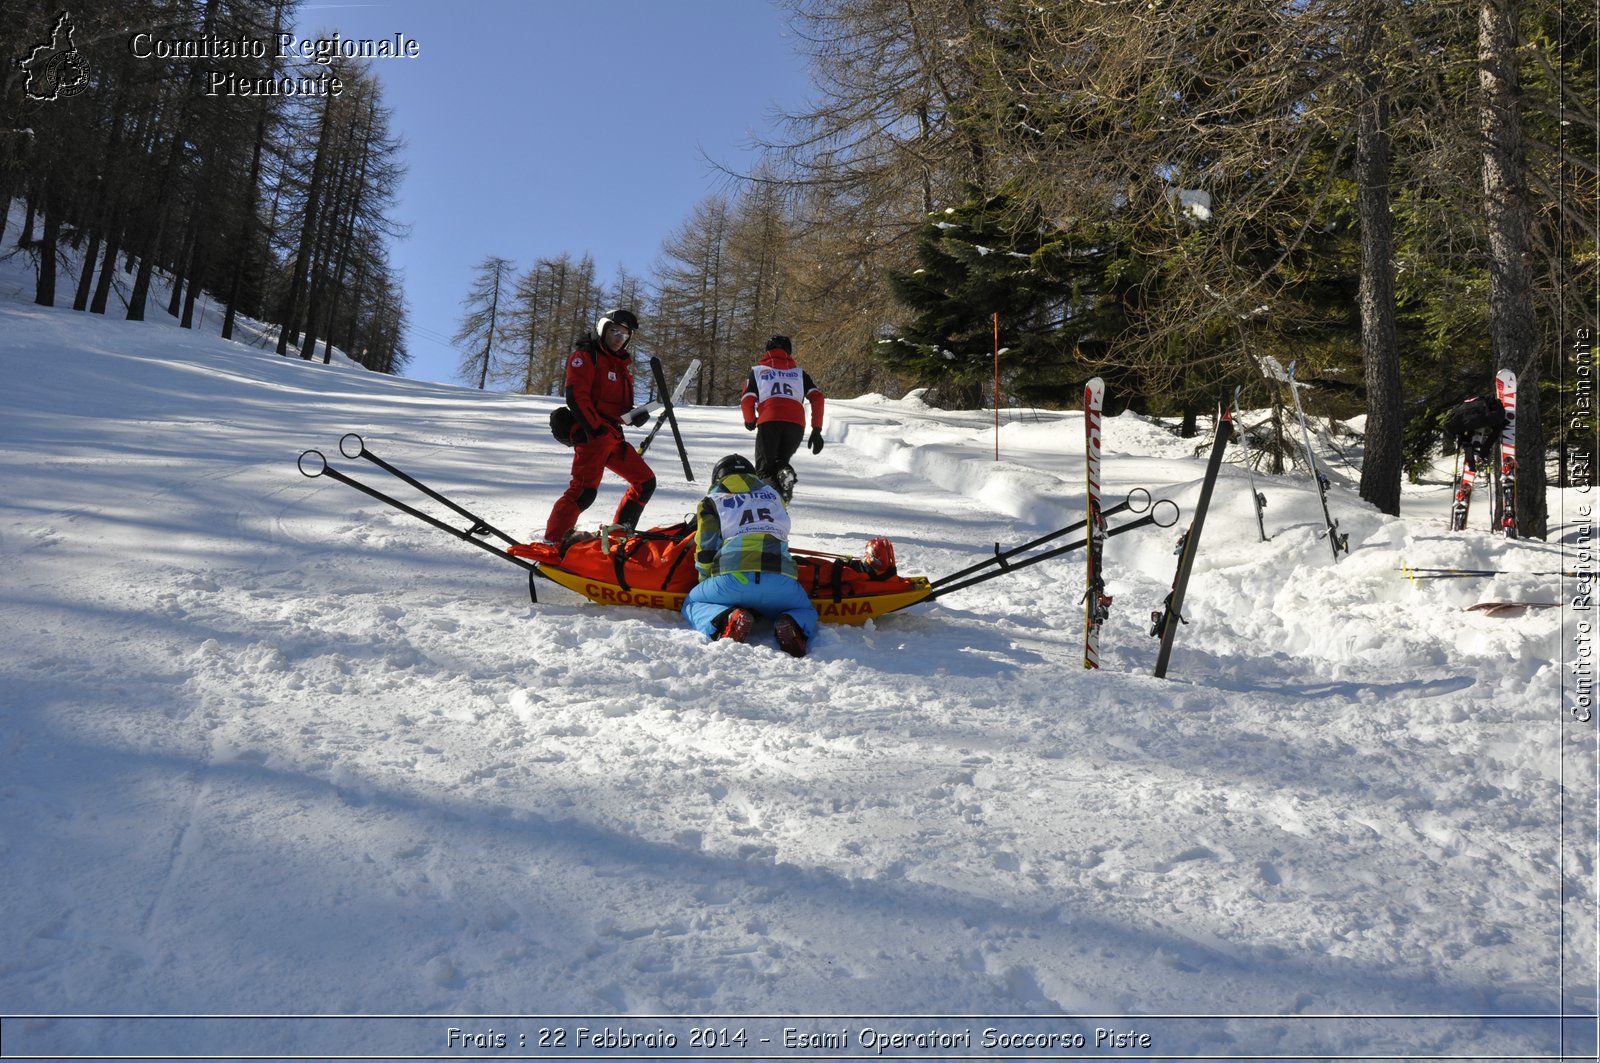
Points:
(640, 418)
(815, 442)
(749, 426)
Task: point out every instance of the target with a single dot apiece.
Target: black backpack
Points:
(1475, 415)
(1475, 424)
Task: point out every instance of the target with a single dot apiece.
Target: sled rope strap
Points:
(619, 559)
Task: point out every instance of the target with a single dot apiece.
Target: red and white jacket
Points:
(777, 390)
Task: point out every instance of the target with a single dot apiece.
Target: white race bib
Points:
(779, 383)
(757, 512)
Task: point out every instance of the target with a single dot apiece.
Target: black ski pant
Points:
(776, 442)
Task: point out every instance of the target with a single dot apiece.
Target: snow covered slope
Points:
(268, 747)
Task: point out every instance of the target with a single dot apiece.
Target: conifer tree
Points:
(983, 258)
(480, 329)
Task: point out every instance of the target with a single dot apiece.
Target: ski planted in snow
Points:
(1164, 621)
(1339, 541)
(1466, 478)
(677, 397)
(1505, 386)
(672, 418)
(1259, 499)
(1096, 603)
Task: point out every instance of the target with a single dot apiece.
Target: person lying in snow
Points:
(742, 556)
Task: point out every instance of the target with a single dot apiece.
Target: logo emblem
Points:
(56, 70)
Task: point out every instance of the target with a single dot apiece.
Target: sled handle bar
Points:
(321, 467)
(1159, 516)
(352, 441)
(1138, 501)
(318, 466)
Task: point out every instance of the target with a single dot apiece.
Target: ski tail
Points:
(1463, 478)
(1505, 385)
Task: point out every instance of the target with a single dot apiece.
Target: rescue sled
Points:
(654, 569)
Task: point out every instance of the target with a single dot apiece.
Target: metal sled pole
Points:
(1157, 516)
(1138, 501)
(479, 525)
(313, 464)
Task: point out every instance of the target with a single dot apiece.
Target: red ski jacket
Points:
(777, 389)
(599, 385)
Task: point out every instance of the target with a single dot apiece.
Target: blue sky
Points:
(537, 127)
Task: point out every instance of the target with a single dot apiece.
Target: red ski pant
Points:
(590, 460)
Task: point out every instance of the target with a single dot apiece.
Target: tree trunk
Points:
(1508, 218)
(80, 301)
(289, 319)
(108, 265)
(488, 341)
(1383, 467)
(44, 292)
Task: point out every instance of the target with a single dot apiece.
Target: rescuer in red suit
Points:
(599, 392)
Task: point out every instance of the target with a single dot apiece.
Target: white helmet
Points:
(620, 318)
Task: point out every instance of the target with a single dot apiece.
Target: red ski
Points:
(1505, 386)
(1096, 603)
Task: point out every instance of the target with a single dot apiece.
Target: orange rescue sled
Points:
(654, 569)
